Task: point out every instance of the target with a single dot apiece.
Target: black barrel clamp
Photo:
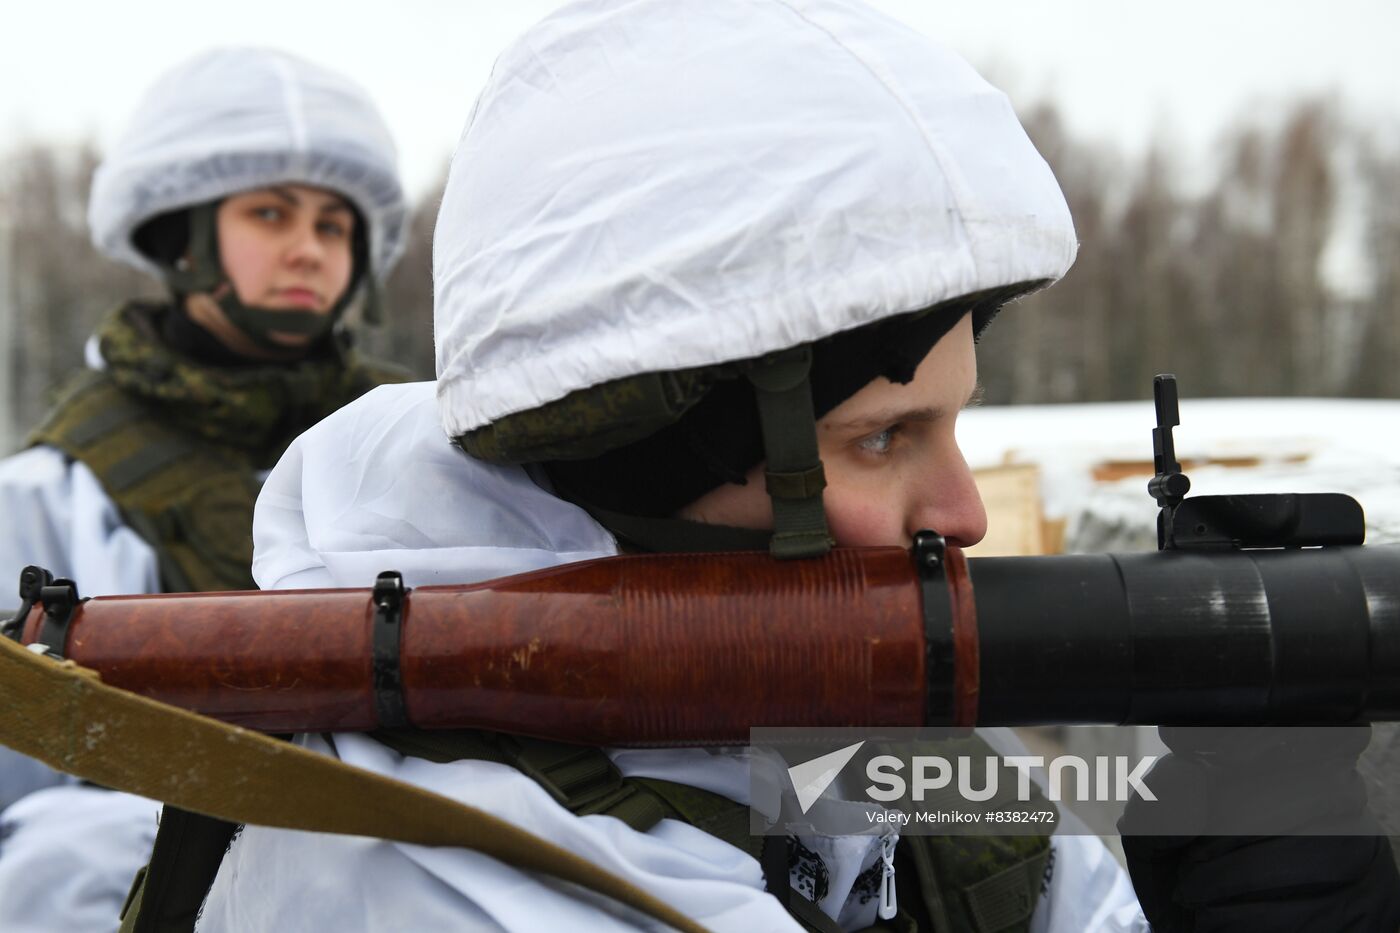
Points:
(60, 600)
(388, 597)
(929, 552)
(32, 580)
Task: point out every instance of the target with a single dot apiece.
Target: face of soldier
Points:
(892, 461)
(284, 247)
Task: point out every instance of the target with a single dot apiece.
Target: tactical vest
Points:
(175, 452)
(945, 884)
(189, 499)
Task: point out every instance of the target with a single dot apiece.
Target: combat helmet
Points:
(234, 119)
(643, 213)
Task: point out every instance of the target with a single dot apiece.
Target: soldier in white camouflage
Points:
(706, 276)
(263, 192)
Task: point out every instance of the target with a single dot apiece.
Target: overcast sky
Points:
(1120, 70)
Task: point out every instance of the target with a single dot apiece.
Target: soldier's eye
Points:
(879, 444)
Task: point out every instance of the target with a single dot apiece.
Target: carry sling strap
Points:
(64, 716)
(584, 780)
(168, 892)
(991, 885)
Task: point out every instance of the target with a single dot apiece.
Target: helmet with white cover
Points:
(653, 201)
(235, 119)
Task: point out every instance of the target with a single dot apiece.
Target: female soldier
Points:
(694, 262)
(263, 191)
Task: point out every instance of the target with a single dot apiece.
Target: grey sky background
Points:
(1121, 72)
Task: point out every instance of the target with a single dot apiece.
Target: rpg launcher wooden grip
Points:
(696, 649)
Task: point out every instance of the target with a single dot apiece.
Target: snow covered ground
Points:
(1300, 445)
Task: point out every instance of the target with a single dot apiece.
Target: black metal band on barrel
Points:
(32, 581)
(940, 661)
(60, 599)
(388, 600)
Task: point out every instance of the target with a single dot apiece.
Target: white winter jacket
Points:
(68, 852)
(376, 486)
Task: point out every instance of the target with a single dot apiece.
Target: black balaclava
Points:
(719, 439)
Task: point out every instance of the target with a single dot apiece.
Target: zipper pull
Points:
(889, 902)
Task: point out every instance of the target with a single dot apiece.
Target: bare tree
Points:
(1303, 196)
(1222, 284)
(1378, 365)
(60, 284)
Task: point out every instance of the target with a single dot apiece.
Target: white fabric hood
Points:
(375, 487)
(238, 118)
(653, 185)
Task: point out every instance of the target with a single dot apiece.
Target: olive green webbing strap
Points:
(65, 717)
(728, 822)
(584, 781)
(581, 778)
(793, 471)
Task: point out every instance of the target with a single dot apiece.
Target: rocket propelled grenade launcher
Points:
(1255, 609)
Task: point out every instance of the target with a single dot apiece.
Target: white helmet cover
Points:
(649, 186)
(239, 118)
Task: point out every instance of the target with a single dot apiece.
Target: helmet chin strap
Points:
(793, 472)
(201, 272)
(260, 323)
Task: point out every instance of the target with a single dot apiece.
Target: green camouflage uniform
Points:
(181, 446)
